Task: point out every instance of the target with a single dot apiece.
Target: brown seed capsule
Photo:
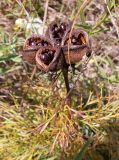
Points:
(48, 59)
(75, 54)
(56, 32)
(79, 45)
(32, 45)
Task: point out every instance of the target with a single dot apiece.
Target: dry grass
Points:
(36, 123)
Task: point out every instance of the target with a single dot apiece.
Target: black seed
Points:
(88, 54)
(44, 43)
(63, 27)
(46, 50)
(39, 44)
(50, 52)
(47, 57)
(33, 44)
(56, 29)
(43, 57)
(73, 40)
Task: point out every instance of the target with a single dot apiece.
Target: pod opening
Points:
(47, 56)
(34, 42)
(58, 32)
(76, 39)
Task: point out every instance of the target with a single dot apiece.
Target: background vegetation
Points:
(35, 121)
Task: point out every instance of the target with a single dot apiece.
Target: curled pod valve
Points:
(32, 45)
(78, 44)
(48, 59)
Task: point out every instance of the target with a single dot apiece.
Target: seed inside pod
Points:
(44, 43)
(34, 42)
(57, 36)
(37, 41)
(63, 26)
(88, 54)
(74, 40)
(62, 29)
(78, 46)
(78, 39)
(32, 45)
(58, 31)
(55, 28)
(81, 39)
(47, 56)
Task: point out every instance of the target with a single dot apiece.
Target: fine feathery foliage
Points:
(35, 121)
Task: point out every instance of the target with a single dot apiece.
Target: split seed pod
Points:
(32, 45)
(48, 58)
(79, 45)
(56, 31)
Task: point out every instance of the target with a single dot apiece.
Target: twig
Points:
(112, 19)
(84, 4)
(45, 14)
(102, 19)
(20, 3)
(33, 73)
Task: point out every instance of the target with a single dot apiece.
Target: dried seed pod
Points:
(75, 54)
(56, 32)
(79, 45)
(48, 58)
(32, 45)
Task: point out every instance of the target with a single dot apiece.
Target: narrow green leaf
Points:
(83, 150)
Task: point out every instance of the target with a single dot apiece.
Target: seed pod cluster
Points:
(59, 45)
